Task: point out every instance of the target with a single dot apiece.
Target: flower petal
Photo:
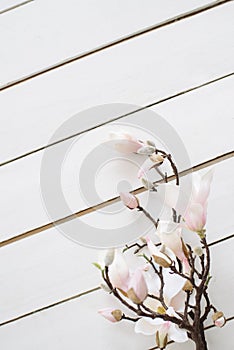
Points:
(195, 217)
(148, 326)
(173, 284)
(119, 272)
(177, 334)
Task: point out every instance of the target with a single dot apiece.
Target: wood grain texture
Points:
(142, 71)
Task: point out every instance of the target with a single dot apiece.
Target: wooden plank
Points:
(22, 207)
(86, 26)
(50, 267)
(142, 71)
(68, 324)
(9, 5)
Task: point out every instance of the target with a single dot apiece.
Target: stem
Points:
(149, 216)
(174, 168)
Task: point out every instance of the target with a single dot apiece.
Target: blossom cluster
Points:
(164, 286)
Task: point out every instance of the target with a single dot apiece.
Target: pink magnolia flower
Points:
(132, 285)
(125, 142)
(112, 315)
(129, 200)
(159, 257)
(170, 234)
(195, 215)
(119, 272)
(137, 287)
(174, 295)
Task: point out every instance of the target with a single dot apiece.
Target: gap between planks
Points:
(45, 227)
(76, 296)
(165, 99)
(115, 42)
(15, 6)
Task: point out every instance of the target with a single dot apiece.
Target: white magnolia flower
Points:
(164, 330)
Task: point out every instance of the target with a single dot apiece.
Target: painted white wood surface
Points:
(192, 115)
(51, 31)
(7, 4)
(48, 267)
(69, 325)
(140, 71)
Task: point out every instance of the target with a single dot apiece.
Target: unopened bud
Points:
(129, 200)
(161, 310)
(143, 240)
(109, 257)
(147, 184)
(150, 143)
(117, 314)
(162, 260)
(105, 288)
(219, 319)
(198, 251)
(156, 158)
(188, 286)
(161, 340)
(112, 315)
(146, 150)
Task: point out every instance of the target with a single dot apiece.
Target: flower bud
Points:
(151, 143)
(112, 315)
(129, 200)
(146, 150)
(161, 310)
(160, 258)
(219, 319)
(188, 286)
(161, 340)
(147, 184)
(138, 290)
(105, 288)
(156, 158)
(109, 257)
(143, 240)
(198, 251)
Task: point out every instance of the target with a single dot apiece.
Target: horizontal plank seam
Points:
(50, 306)
(229, 319)
(111, 44)
(110, 201)
(76, 296)
(118, 118)
(15, 6)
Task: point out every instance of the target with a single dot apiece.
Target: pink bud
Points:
(219, 319)
(195, 217)
(119, 272)
(129, 200)
(111, 314)
(137, 288)
(125, 142)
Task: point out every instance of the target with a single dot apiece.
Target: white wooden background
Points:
(60, 57)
